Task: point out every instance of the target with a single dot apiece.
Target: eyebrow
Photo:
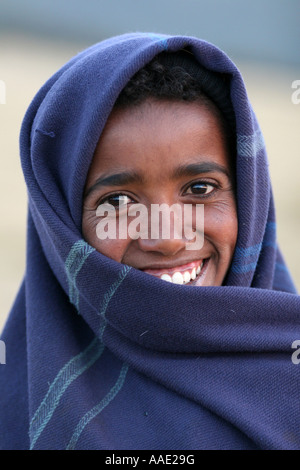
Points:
(192, 169)
(128, 177)
(116, 179)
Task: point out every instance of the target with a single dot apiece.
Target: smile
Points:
(183, 274)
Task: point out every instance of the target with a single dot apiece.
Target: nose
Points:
(166, 247)
(164, 231)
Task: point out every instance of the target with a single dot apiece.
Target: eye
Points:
(117, 200)
(200, 188)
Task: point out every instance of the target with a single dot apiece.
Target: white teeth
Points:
(177, 278)
(182, 278)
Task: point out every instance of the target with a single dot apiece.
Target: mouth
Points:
(185, 274)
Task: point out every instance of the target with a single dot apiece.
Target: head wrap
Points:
(103, 356)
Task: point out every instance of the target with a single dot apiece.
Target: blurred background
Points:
(261, 36)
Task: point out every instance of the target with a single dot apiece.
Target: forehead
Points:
(156, 136)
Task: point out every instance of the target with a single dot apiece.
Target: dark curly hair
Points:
(177, 76)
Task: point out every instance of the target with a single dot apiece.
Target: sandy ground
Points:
(26, 63)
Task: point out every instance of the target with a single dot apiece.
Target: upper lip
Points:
(170, 266)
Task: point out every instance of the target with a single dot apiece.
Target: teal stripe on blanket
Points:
(77, 256)
(98, 408)
(241, 253)
(73, 369)
(250, 145)
(78, 364)
(111, 291)
(108, 296)
(242, 262)
(244, 269)
(161, 40)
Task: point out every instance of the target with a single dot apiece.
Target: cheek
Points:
(221, 226)
(112, 248)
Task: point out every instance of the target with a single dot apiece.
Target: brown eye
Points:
(117, 200)
(200, 189)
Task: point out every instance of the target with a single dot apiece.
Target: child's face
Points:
(172, 153)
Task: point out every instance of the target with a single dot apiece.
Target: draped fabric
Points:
(100, 355)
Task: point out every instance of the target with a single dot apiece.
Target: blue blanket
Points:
(103, 356)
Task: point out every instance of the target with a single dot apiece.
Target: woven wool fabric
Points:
(103, 356)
